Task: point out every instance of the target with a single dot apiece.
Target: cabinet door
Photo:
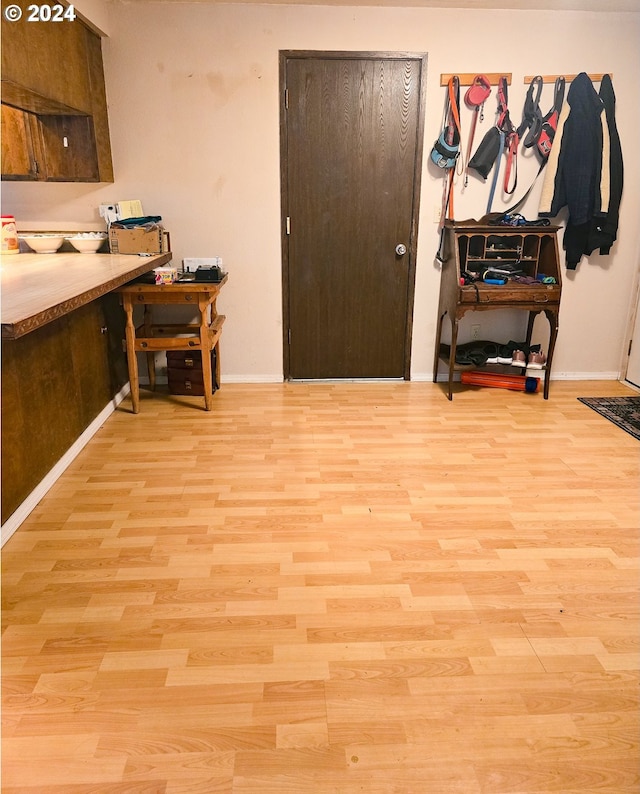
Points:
(69, 148)
(48, 148)
(55, 381)
(89, 365)
(19, 158)
(40, 413)
(49, 59)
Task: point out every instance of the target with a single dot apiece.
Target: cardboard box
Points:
(138, 241)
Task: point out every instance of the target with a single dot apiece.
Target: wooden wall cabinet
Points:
(55, 381)
(52, 148)
(54, 109)
(472, 247)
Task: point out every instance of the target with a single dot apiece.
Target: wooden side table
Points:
(150, 337)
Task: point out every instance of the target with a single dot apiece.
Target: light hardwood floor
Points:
(331, 588)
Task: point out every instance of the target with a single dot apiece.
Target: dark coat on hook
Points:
(603, 231)
(577, 174)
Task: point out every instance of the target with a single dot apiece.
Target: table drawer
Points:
(184, 372)
(509, 293)
(186, 359)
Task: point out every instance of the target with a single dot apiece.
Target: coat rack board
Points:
(551, 78)
(467, 79)
(494, 77)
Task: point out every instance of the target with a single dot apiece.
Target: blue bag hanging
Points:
(447, 148)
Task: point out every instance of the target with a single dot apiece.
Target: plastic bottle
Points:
(10, 244)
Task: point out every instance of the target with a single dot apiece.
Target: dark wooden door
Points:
(352, 129)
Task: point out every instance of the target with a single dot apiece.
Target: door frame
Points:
(630, 364)
(284, 57)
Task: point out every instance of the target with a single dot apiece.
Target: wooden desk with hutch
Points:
(469, 246)
(150, 337)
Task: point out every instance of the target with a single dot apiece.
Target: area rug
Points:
(622, 411)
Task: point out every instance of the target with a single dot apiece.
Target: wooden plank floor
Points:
(331, 588)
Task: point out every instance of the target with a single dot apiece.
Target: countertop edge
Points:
(24, 326)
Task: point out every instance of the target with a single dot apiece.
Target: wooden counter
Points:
(63, 364)
(39, 288)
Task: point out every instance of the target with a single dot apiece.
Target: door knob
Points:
(401, 249)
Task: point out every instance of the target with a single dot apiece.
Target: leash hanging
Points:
(506, 126)
(475, 98)
(548, 126)
(531, 114)
(494, 181)
(549, 123)
(445, 154)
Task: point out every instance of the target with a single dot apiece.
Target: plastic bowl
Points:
(87, 244)
(43, 243)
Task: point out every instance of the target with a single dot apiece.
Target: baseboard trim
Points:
(251, 379)
(29, 504)
(162, 380)
(585, 376)
(421, 377)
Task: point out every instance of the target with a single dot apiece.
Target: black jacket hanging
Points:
(576, 176)
(603, 231)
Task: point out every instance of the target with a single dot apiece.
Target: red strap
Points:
(512, 163)
(470, 145)
(454, 98)
(512, 139)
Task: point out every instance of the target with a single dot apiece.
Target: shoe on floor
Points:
(505, 353)
(537, 360)
(492, 350)
(518, 359)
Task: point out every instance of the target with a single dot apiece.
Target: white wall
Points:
(193, 101)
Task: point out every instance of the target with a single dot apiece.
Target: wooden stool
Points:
(150, 338)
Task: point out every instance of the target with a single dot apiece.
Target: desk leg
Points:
(452, 354)
(205, 348)
(436, 354)
(151, 357)
(217, 372)
(552, 316)
(132, 361)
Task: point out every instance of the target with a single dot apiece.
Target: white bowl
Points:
(43, 243)
(87, 243)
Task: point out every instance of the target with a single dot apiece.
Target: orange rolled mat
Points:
(500, 381)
